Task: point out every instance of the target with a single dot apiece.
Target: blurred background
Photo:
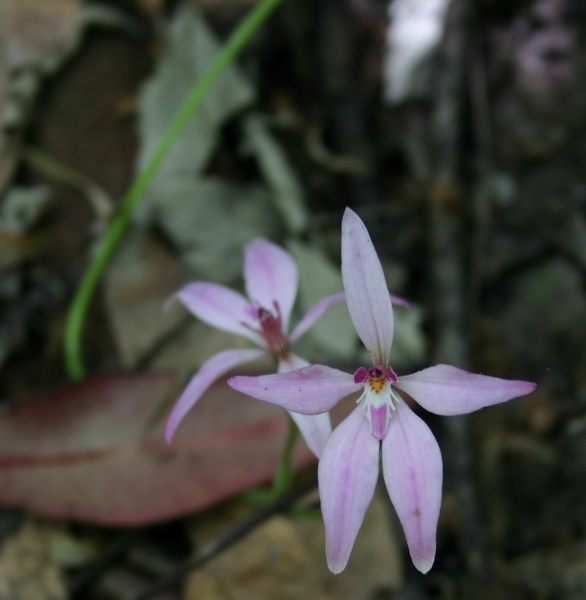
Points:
(455, 130)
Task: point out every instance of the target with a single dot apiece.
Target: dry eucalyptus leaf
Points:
(210, 221)
(191, 48)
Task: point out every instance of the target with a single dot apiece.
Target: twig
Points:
(214, 548)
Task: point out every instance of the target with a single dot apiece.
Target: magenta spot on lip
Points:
(391, 374)
(376, 372)
(379, 421)
(361, 375)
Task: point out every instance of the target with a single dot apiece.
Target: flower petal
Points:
(309, 391)
(315, 429)
(412, 469)
(270, 275)
(315, 313)
(347, 473)
(367, 294)
(446, 390)
(220, 307)
(213, 368)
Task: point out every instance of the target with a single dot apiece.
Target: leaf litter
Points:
(528, 275)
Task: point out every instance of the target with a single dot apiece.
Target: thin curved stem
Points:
(284, 474)
(87, 287)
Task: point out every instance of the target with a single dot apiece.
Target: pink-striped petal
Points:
(270, 275)
(446, 390)
(213, 368)
(310, 391)
(367, 295)
(315, 429)
(315, 313)
(347, 473)
(412, 469)
(220, 307)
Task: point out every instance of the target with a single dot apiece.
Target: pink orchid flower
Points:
(271, 280)
(382, 422)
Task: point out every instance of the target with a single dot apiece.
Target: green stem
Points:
(283, 476)
(109, 243)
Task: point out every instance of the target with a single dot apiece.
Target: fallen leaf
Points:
(141, 277)
(210, 221)
(286, 190)
(95, 451)
(285, 558)
(191, 48)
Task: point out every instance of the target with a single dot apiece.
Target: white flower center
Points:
(379, 397)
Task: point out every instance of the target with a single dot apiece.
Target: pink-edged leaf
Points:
(367, 295)
(310, 391)
(447, 390)
(222, 308)
(90, 452)
(348, 472)
(270, 275)
(412, 469)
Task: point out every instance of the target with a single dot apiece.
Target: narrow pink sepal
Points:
(220, 307)
(213, 368)
(312, 390)
(447, 390)
(347, 473)
(315, 313)
(270, 276)
(412, 469)
(367, 295)
(315, 429)
(400, 301)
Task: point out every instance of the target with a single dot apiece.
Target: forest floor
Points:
(471, 183)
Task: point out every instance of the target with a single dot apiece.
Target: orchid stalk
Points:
(382, 423)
